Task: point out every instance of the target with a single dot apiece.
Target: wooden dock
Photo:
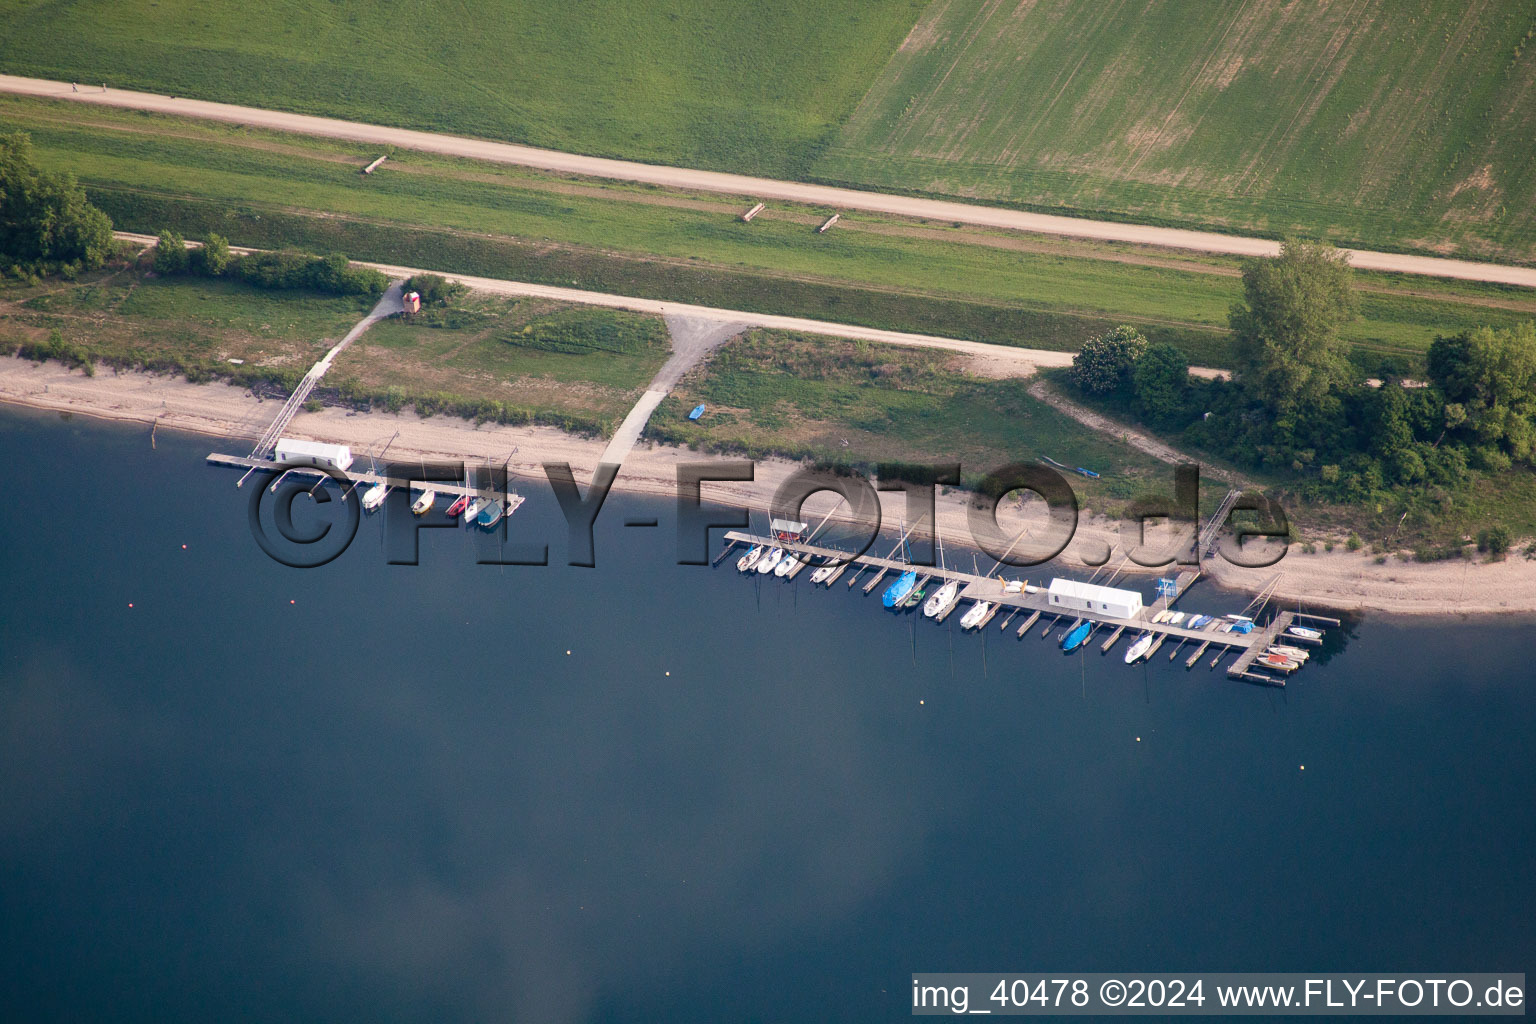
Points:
(1036, 609)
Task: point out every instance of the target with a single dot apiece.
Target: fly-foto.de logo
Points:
(1247, 529)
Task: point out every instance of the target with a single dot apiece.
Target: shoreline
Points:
(1340, 580)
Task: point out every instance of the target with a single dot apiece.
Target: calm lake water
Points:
(389, 793)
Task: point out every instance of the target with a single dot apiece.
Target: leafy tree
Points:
(1488, 378)
(46, 222)
(1161, 379)
(213, 258)
(170, 254)
(1105, 362)
(1287, 348)
(434, 290)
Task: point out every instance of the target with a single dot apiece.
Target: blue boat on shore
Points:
(1075, 638)
(698, 411)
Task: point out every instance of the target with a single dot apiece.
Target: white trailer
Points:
(313, 453)
(1070, 595)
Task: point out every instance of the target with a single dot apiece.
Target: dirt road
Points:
(749, 187)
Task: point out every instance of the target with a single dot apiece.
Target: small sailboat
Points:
(472, 510)
(1279, 661)
(821, 573)
(973, 618)
(765, 565)
(785, 567)
(422, 505)
(899, 591)
(747, 561)
(1199, 622)
(1294, 653)
(1306, 632)
(452, 511)
(1176, 618)
(942, 598)
(373, 497)
(490, 515)
(1142, 645)
(1079, 633)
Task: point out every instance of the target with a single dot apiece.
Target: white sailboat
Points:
(422, 505)
(821, 573)
(973, 617)
(747, 561)
(765, 565)
(946, 595)
(1142, 645)
(1305, 631)
(373, 497)
(786, 566)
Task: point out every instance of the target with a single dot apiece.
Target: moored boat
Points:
(373, 497)
(1294, 653)
(490, 515)
(942, 598)
(973, 618)
(1142, 645)
(1306, 632)
(748, 560)
(452, 511)
(1278, 661)
(786, 565)
(1079, 633)
(822, 572)
(766, 564)
(898, 592)
(422, 505)
(473, 509)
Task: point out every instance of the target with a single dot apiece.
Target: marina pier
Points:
(1250, 642)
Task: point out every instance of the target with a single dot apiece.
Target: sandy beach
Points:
(1340, 579)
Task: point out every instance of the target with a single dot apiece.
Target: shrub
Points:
(170, 254)
(314, 405)
(1494, 540)
(1353, 543)
(1105, 362)
(434, 290)
(288, 269)
(212, 259)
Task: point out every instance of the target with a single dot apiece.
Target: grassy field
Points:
(1389, 124)
(525, 360)
(516, 353)
(266, 189)
(125, 315)
(745, 87)
(772, 392)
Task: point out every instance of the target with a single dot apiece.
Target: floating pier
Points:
(1249, 649)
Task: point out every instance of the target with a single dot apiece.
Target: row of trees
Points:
(1296, 402)
(332, 274)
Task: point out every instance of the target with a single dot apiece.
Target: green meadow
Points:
(268, 189)
(1388, 124)
(747, 87)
